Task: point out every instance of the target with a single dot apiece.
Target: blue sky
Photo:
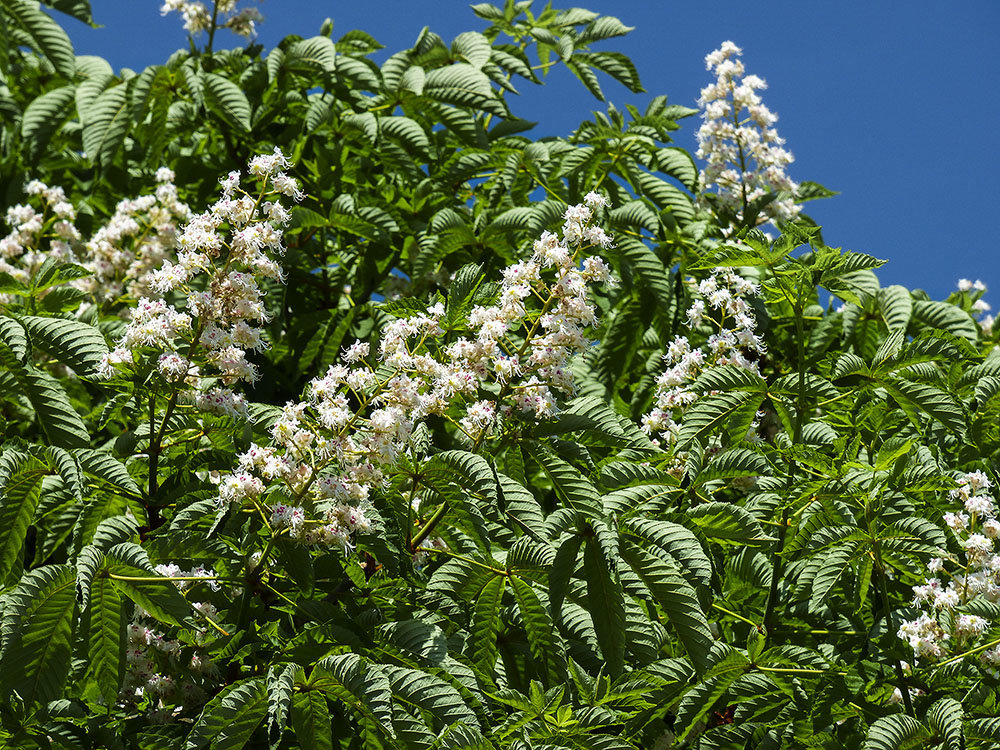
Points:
(892, 104)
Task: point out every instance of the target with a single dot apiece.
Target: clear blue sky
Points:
(892, 104)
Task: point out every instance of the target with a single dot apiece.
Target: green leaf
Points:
(230, 718)
(106, 636)
(945, 718)
(360, 685)
(432, 694)
(227, 100)
(473, 48)
(677, 163)
(947, 317)
(728, 523)
(45, 34)
(280, 683)
(912, 396)
(677, 599)
(486, 623)
(729, 413)
(104, 466)
(72, 342)
(832, 565)
(56, 415)
(160, 598)
(606, 604)
(700, 699)
(735, 462)
(43, 117)
(539, 629)
(12, 336)
(311, 720)
(891, 732)
(78, 9)
(604, 27)
(20, 490)
(896, 306)
(107, 122)
(39, 616)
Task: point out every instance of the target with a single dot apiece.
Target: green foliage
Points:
(587, 576)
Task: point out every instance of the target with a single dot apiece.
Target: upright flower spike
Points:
(198, 18)
(744, 155)
(332, 450)
(942, 629)
(722, 304)
(212, 307)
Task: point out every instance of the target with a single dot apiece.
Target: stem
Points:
(976, 650)
(155, 443)
(211, 30)
(733, 614)
(778, 565)
(891, 621)
(797, 670)
(428, 527)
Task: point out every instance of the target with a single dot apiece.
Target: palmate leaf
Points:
(647, 267)
(894, 732)
(596, 415)
(38, 624)
(102, 465)
(736, 462)
(605, 602)
(834, 562)
(676, 598)
(728, 523)
(71, 342)
(914, 397)
(231, 717)
(896, 306)
(573, 489)
(947, 317)
(78, 9)
(676, 541)
(468, 470)
(561, 571)
(12, 336)
(730, 413)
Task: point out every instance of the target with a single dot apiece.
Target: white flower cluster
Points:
(222, 254)
(157, 668)
(980, 307)
(136, 240)
(744, 154)
(941, 629)
(332, 450)
(198, 18)
(22, 251)
(721, 302)
(120, 255)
